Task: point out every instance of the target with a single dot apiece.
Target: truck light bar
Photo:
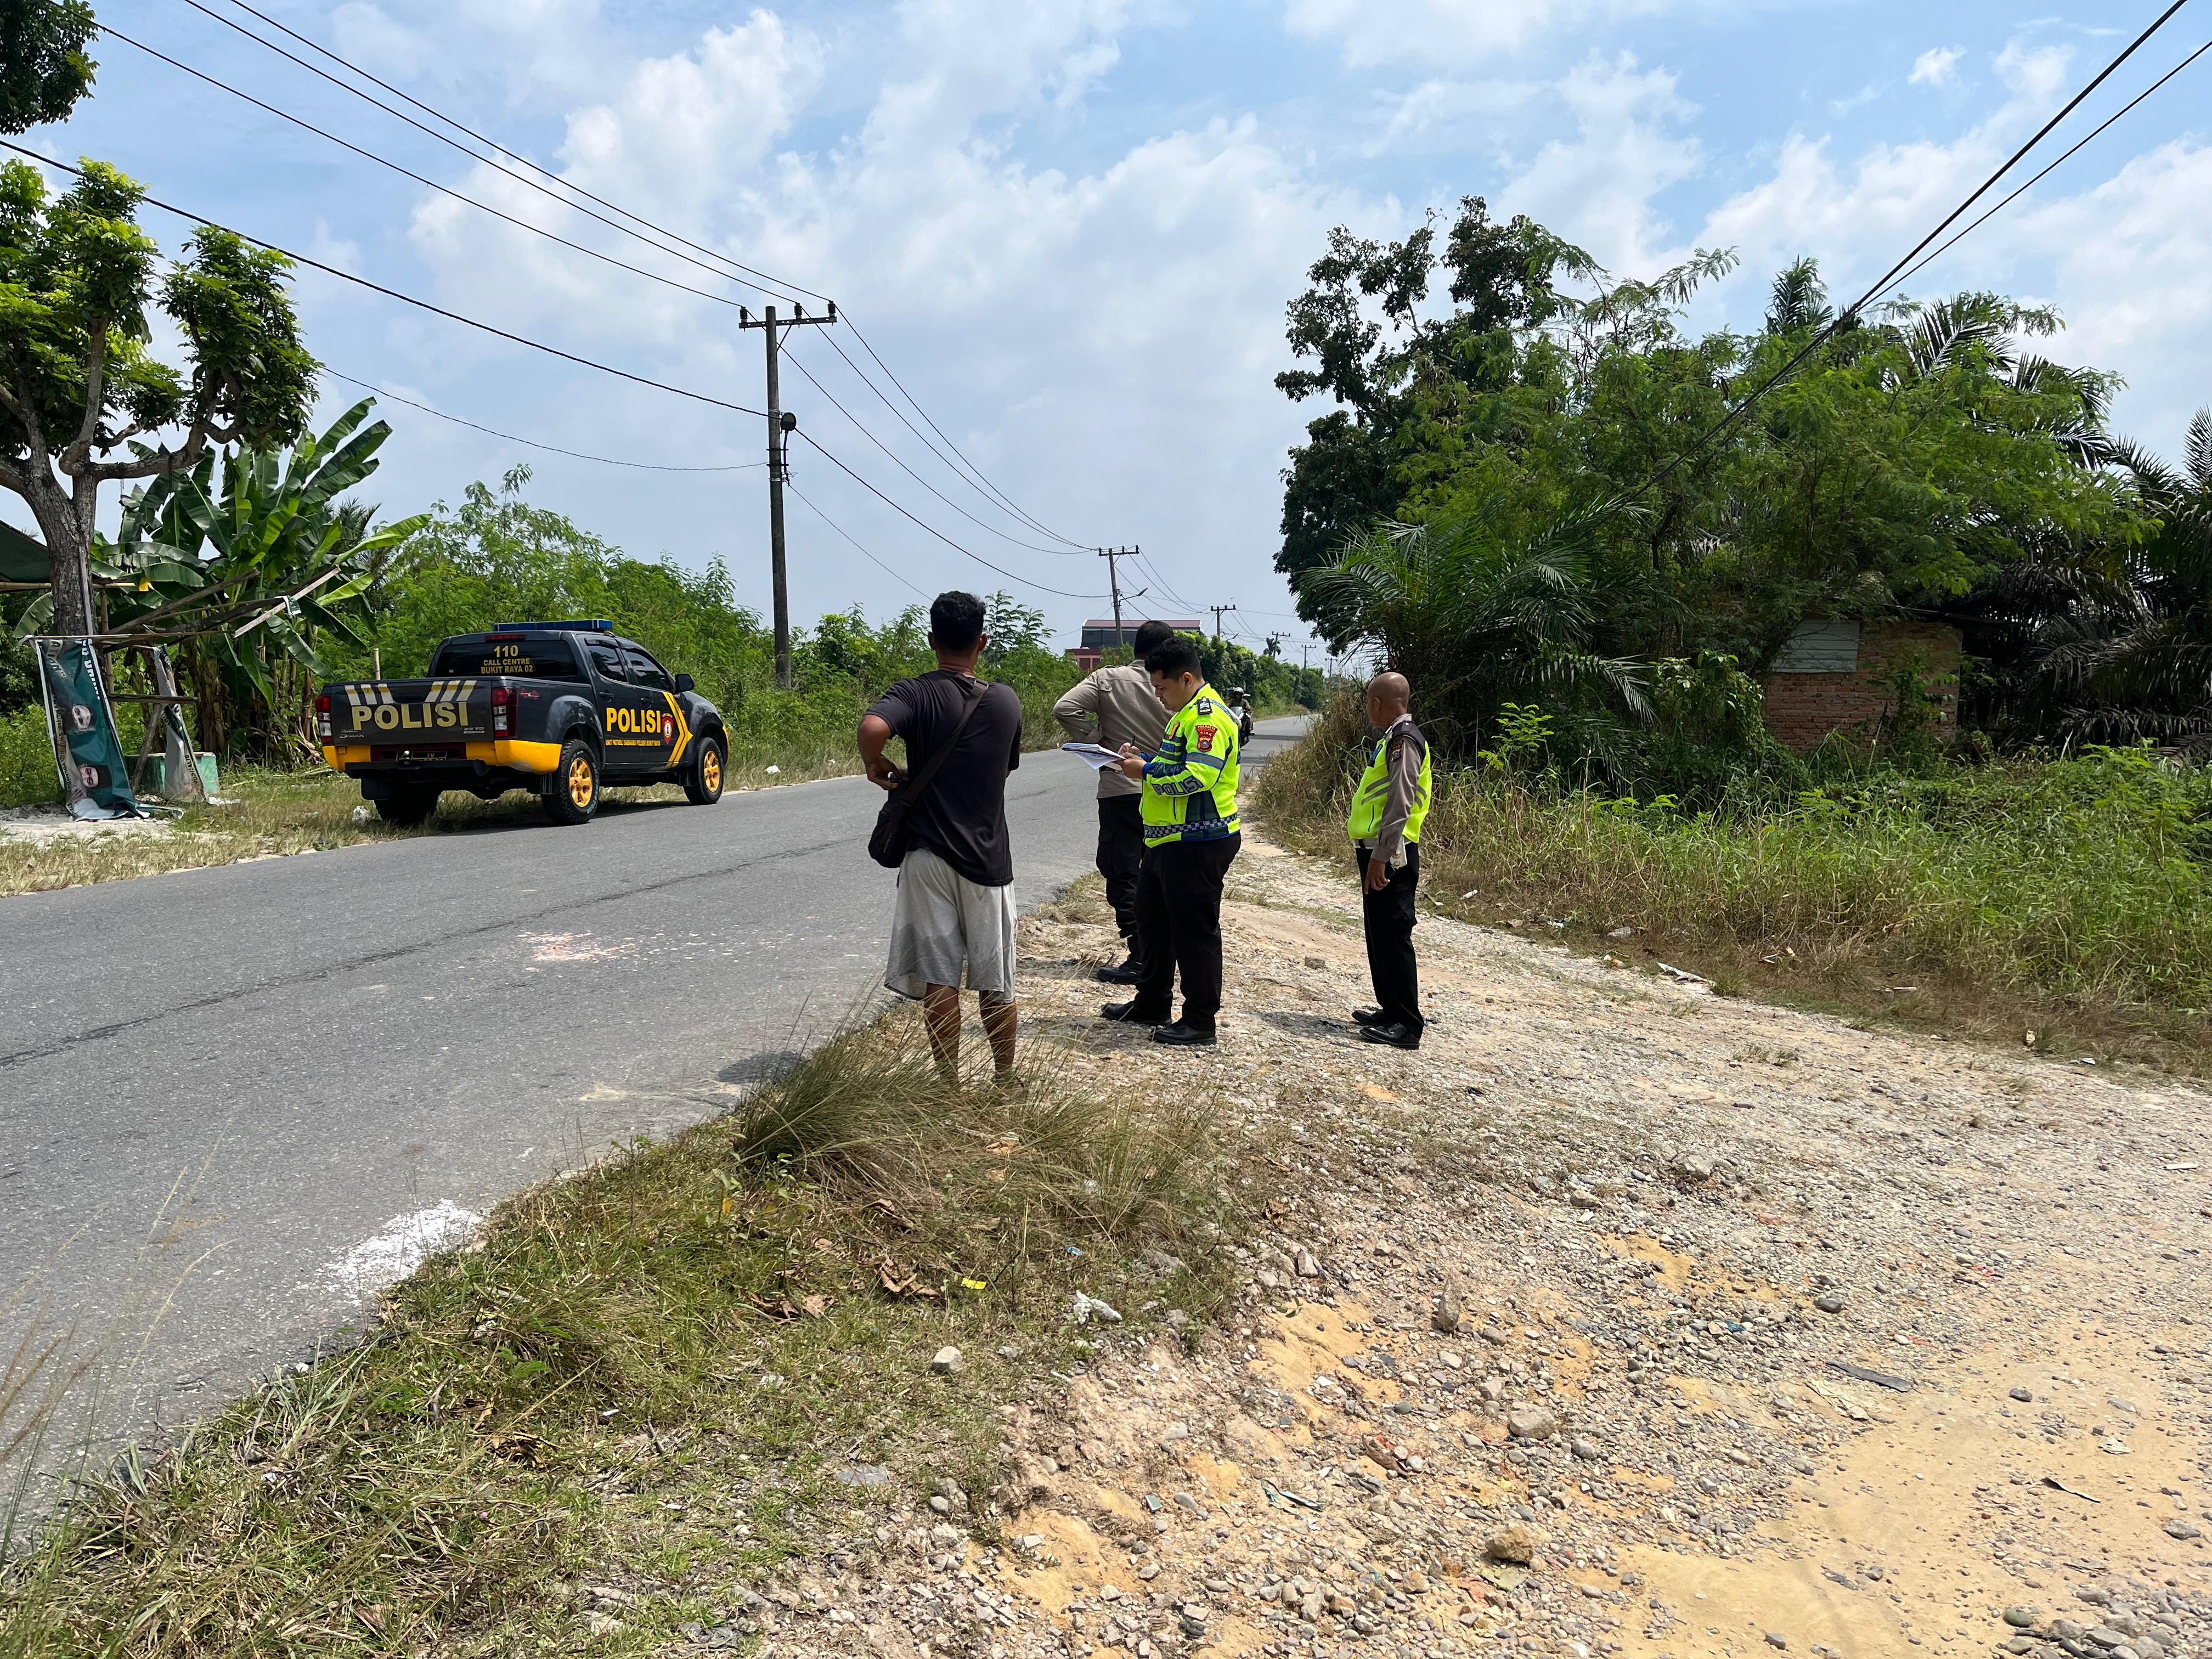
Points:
(598, 626)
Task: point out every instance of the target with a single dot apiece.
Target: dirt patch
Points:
(1621, 1318)
(44, 826)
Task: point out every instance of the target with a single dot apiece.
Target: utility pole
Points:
(779, 425)
(1114, 582)
(1216, 610)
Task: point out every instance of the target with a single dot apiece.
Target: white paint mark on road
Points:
(405, 1242)
(577, 947)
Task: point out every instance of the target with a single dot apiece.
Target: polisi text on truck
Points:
(645, 722)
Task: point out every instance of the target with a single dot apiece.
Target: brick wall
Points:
(1803, 708)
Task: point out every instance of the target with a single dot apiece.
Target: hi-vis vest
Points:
(1374, 792)
(1190, 785)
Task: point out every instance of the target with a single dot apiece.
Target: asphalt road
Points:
(239, 1098)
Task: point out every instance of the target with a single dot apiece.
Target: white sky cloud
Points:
(1597, 187)
(1433, 33)
(1935, 66)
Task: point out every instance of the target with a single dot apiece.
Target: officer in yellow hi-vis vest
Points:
(1191, 836)
(1387, 810)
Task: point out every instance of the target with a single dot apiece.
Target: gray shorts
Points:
(948, 930)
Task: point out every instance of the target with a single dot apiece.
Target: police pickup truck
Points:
(563, 709)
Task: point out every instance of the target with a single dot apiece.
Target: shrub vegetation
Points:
(2061, 901)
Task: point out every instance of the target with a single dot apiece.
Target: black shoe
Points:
(1129, 972)
(1180, 1036)
(1128, 1013)
(1397, 1037)
(1367, 1017)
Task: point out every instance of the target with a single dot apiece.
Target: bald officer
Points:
(1388, 811)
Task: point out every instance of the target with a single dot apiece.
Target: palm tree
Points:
(2143, 669)
(1477, 617)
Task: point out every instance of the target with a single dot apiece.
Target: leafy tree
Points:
(1396, 376)
(496, 557)
(81, 393)
(43, 68)
(1905, 461)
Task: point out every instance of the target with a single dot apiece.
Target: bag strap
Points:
(918, 781)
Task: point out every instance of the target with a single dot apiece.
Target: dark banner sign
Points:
(87, 751)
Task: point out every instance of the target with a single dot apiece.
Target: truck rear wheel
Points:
(703, 783)
(575, 793)
(408, 808)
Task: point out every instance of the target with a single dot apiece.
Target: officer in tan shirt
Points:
(1112, 706)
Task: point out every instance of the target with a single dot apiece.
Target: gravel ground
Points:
(42, 825)
(1619, 1319)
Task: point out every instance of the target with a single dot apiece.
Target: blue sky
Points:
(1071, 229)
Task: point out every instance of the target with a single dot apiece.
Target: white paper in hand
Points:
(1096, 756)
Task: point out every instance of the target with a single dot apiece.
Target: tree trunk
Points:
(68, 551)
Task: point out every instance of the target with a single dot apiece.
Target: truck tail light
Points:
(323, 716)
(502, 711)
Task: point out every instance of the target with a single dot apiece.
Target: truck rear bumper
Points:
(501, 754)
(383, 779)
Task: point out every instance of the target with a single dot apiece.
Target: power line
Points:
(862, 551)
(1152, 570)
(453, 144)
(961, 468)
(605, 259)
(395, 293)
(532, 443)
(1061, 593)
(551, 350)
(792, 359)
(427, 183)
(491, 143)
(1012, 507)
(2095, 133)
(767, 284)
(1850, 314)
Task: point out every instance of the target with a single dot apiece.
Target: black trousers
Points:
(1179, 927)
(1120, 853)
(1389, 918)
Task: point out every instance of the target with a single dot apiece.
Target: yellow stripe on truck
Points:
(682, 729)
(522, 756)
(338, 758)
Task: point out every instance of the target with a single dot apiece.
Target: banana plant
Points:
(245, 560)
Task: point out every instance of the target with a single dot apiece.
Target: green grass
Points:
(2068, 898)
(26, 759)
(647, 1378)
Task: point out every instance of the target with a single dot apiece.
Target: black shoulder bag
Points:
(890, 843)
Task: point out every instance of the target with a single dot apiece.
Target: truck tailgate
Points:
(411, 713)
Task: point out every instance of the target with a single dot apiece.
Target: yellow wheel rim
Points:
(580, 782)
(710, 770)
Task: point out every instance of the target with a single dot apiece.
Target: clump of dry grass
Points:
(648, 1378)
(1008, 1178)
